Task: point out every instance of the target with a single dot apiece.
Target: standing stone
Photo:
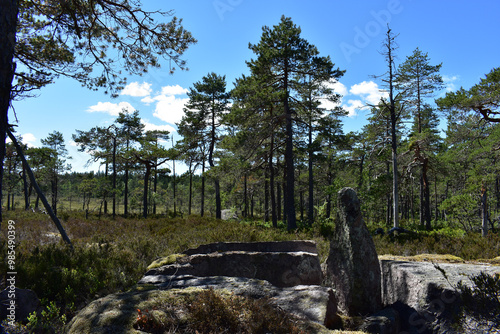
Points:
(353, 267)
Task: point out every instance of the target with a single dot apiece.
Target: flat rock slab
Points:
(308, 246)
(280, 269)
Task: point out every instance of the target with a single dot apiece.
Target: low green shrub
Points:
(50, 320)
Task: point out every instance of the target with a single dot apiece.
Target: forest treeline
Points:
(274, 148)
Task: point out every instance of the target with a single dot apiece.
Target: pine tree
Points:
(284, 58)
(131, 130)
(59, 154)
(208, 102)
(483, 98)
(256, 132)
(150, 155)
(311, 112)
(419, 80)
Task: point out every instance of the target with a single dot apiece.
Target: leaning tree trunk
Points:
(8, 26)
(39, 191)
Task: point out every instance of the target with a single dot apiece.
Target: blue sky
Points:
(463, 35)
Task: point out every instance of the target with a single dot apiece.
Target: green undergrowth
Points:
(470, 246)
(110, 255)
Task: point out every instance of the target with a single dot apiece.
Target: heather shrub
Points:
(210, 312)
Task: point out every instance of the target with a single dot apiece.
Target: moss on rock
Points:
(439, 258)
(170, 259)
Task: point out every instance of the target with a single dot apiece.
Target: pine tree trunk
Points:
(190, 201)
(218, 206)
(8, 26)
(245, 198)
(175, 190)
(274, 215)
(202, 210)
(278, 201)
(26, 192)
(145, 195)
(484, 211)
(114, 177)
(289, 163)
(310, 207)
(266, 194)
(125, 191)
(422, 200)
(427, 200)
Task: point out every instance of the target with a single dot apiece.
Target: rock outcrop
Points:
(424, 293)
(288, 273)
(353, 268)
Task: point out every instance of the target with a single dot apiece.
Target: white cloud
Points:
(368, 91)
(151, 127)
(352, 106)
(147, 100)
(449, 82)
(29, 139)
(136, 89)
(111, 108)
(337, 87)
(169, 106)
(173, 90)
(362, 95)
(170, 109)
